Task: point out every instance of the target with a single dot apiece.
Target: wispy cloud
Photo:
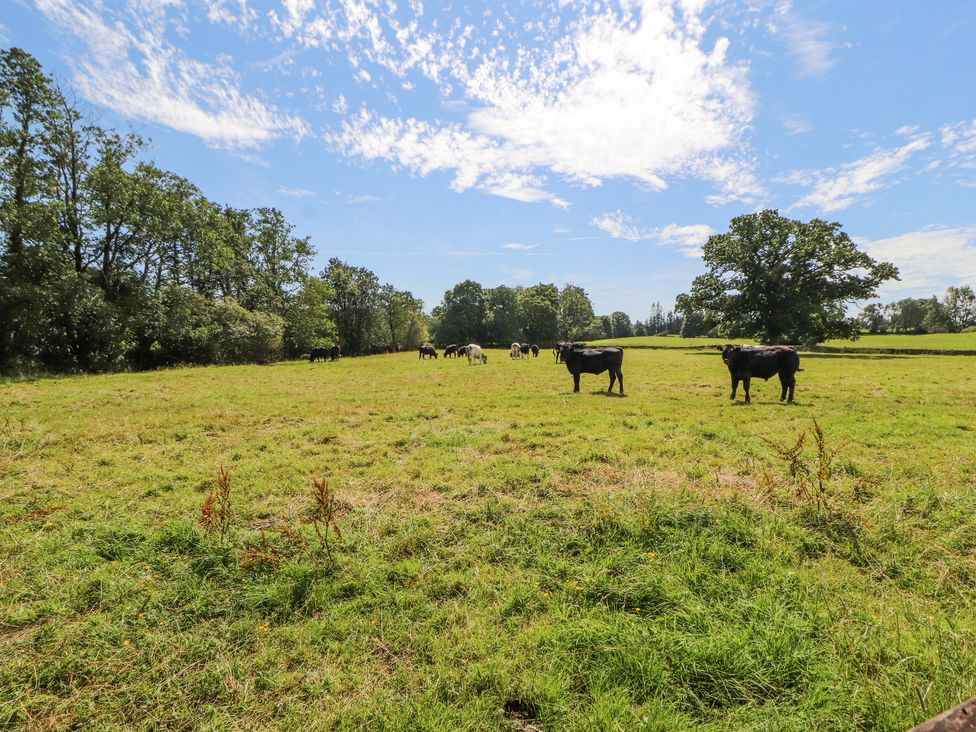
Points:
(833, 189)
(519, 247)
(929, 260)
(688, 239)
(295, 192)
(127, 64)
(361, 198)
(805, 39)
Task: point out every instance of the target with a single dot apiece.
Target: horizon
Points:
(591, 145)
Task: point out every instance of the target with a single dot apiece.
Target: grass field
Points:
(927, 342)
(508, 550)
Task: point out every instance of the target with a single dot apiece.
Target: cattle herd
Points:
(743, 362)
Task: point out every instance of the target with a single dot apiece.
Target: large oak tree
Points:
(780, 280)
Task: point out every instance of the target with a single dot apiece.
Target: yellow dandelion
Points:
(126, 642)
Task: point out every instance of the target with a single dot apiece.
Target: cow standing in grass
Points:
(428, 352)
(318, 352)
(475, 353)
(334, 353)
(451, 350)
(744, 362)
(594, 361)
(515, 351)
(535, 350)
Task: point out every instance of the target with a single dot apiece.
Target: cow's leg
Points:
(620, 378)
(745, 386)
(784, 381)
(575, 383)
(735, 387)
(613, 378)
(792, 388)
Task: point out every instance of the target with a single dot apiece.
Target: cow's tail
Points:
(801, 369)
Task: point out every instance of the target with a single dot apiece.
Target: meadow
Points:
(509, 555)
(881, 342)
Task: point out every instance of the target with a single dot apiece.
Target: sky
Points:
(591, 143)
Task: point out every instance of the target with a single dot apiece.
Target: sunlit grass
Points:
(507, 547)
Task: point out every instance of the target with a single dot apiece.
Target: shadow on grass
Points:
(807, 354)
(603, 392)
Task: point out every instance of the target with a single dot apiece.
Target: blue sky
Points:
(594, 143)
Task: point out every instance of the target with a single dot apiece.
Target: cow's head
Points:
(728, 352)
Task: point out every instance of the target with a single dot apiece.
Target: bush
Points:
(247, 336)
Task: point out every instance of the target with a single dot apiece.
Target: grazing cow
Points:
(462, 351)
(451, 350)
(535, 350)
(593, 361)
(334, 353)
(524, 348)
(318, 352)
(744, 362)
(515, 351)
(427, 351)
(475, 353)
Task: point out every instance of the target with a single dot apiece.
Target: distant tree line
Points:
(955, 312)
(109, 262)
(541, 314)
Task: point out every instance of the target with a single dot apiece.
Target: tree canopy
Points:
(780, 280)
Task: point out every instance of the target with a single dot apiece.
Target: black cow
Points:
(593, 361)
(744, 362)
(535, 350)
(524, 348)
(318, 352)
(334, 353)
(451, 350)
(426, 351)
(462, 351)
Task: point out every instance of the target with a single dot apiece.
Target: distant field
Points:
(509, 550)
(929, 342)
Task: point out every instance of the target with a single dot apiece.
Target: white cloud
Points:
(834, 189)
(960, 142)
(361, 198)
(804, 40)
(232, 12)
(129, 66)
(295, 192)
(688, 239)
(630, 92)
(928, 260)
(517, 246)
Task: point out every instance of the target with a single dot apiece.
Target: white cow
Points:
(516, 351)
(475, 353)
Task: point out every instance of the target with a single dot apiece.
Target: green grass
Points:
(508, 548)
(927, 342)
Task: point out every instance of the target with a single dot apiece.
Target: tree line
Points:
(542, 314)
(108, 261)
(954, 313)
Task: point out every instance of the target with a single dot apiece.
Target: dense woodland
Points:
(109, 262)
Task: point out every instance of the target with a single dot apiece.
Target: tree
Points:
(461, 316)
(397, 309)
(539, 313)
(502, 315)
(907, 315)
(353, 304)
(776, 279)
(872, 318)
(960, 304)
(620, 326)
(575, 313)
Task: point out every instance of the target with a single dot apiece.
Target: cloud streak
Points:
(129, 66)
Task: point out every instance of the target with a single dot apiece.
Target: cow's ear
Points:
(737, 348)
